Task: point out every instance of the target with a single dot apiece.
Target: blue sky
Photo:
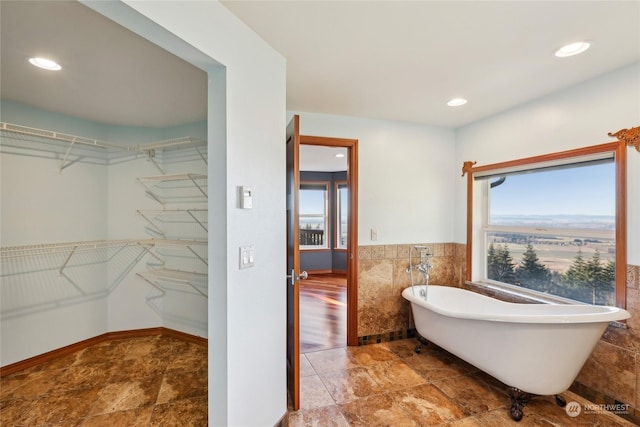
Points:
(311, 202)
(584, 190)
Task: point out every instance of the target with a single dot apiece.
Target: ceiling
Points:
(403, 60)
(109, 74)
(392, 60)
(315, 158)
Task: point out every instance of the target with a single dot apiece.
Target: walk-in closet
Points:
(95, 232)
(104, 187)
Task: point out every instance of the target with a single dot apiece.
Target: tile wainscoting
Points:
(611, 374)
(382, 275)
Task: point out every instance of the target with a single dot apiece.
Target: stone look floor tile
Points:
(64, 409)
(162, 381)
(114, 383)
(350, 384)
(378, 410)
(139, 417)
(427, 404)
(402, 348)
(394, 375)
(328, 416)
(194, 358)
(313, 393)
(370, 354)
(34, 385)
(433, 367)
(180, 385)
(306, 370)
(184, 413)
(336, 359)
(128, 395)
(473, 395)
(450, 392)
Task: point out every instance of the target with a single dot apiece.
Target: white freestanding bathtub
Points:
(537, 349)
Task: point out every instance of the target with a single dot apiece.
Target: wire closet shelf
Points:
(25, 139)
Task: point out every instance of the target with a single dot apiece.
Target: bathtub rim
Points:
(598, 313)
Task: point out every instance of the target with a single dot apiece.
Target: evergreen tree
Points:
(575, 279)
(577, 272)
(591, 281)
(609, 284)
(531, 273)
(500, 264)
(491, 262)
(600, 279)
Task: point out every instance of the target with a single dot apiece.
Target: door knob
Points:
(296, 277)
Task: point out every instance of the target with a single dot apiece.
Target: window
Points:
(313, 215)
(552, 225)
(342, 214)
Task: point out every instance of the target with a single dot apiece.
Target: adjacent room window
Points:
(548, 225)
(342, 214)
(313, 215)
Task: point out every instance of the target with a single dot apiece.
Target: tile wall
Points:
(382, 275)
(610, 375)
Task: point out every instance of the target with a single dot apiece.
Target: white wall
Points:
(84, 202)
(246, 308)
(405, 190)
(577, 117)
(40, 204)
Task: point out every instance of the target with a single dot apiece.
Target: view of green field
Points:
(558, 253)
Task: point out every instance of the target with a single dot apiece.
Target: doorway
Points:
(294, 273)
(333, 292)
(324, 231)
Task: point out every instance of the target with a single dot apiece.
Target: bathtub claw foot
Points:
(519, 399)
(422, 341)
(560, 401)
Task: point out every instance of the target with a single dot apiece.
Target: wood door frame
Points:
(352, 242)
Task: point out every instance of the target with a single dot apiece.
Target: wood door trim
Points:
(352, 254)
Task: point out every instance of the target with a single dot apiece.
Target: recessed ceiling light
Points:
(456, 102)
(572, 49)
(45, 63)
(339, 155)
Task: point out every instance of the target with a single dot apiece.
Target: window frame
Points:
(338, 225)
(327, 216)
(474, 210)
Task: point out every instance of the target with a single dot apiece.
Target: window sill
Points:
(525, 295)
(518, 295)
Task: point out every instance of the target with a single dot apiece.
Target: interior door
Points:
(293, 263)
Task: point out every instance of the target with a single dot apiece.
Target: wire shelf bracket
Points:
(158, 276)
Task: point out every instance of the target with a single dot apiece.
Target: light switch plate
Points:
(246, 197)
(247, 256)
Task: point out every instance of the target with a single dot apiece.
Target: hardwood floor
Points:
(323, 312)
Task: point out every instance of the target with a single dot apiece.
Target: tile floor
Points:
(388, 384)
(162, 381)
(148, 381)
